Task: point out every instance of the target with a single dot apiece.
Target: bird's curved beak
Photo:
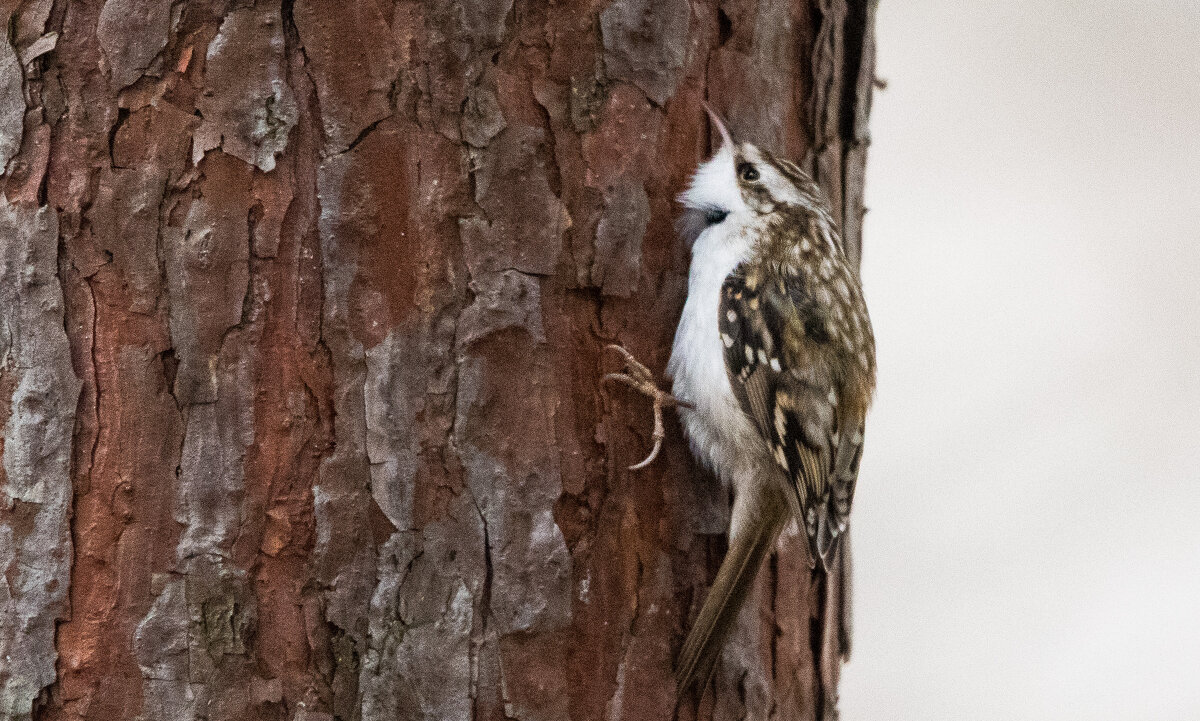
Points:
(726, 138)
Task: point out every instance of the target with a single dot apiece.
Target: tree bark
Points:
(302, 310)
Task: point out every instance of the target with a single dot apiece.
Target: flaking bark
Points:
(302, 317)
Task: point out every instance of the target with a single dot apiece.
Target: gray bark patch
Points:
(423, 620)
(12, 103)
(527, 219)
(35, 555)
(482, 118)
(508, 299)
(132, 33)
(645, 43)
(248, 108)
(515, 489)
(618, 261)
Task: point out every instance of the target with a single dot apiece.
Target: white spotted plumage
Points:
(774, 357)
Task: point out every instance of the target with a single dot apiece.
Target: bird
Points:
(772, 368)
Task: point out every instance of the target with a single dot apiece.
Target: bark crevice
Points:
(337, 282)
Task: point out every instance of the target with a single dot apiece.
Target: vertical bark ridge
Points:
(335, 283)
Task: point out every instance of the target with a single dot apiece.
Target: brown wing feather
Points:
(791, 396)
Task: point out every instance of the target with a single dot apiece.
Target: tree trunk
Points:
(302, 310)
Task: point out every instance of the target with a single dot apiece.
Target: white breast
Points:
(721, 434)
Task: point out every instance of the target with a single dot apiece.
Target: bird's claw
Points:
(639, 377)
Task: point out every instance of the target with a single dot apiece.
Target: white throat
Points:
(714, 185)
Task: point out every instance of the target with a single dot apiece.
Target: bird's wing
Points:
(790, 395)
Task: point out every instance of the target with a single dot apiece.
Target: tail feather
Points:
(729, 591)
(831, 645)
(845, 596)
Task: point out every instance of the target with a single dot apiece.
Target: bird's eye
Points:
(714, 216)
(748, 172)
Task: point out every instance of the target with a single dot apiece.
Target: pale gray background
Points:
(1027, 527)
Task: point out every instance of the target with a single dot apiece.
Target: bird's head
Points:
(742, 181)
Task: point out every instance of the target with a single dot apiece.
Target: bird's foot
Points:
(639, 377)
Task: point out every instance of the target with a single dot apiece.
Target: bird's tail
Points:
(831, 643)
(719, 613)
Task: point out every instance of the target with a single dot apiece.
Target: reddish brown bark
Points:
(302, 314)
